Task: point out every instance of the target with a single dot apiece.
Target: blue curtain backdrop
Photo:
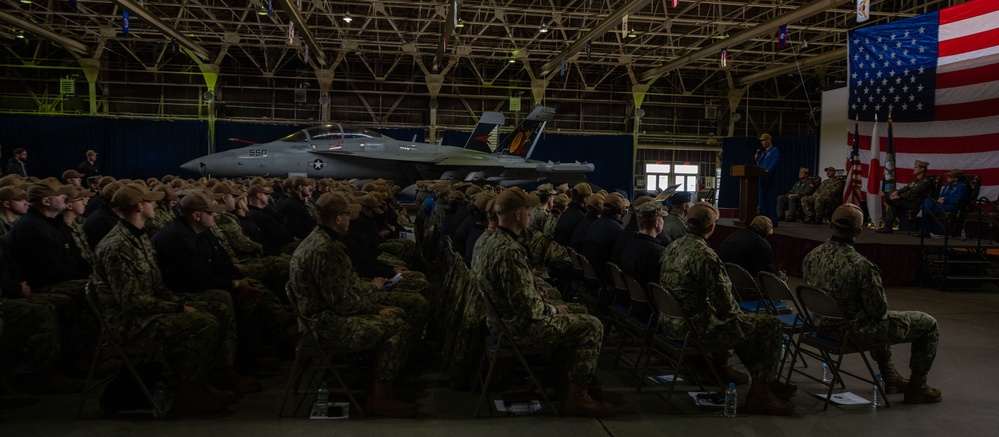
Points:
(130, 148)
(795, 152)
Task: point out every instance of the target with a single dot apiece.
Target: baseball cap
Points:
(11, 192)
(765, 137)
(679, 198)
(546, 189)
(830, 168)
(762, 224)
(302, 181)
(130, 195)
(224, 188)
(513, 198)
(702, 214)
(596, 202)
(333, 204)
(922, 164)
(650, 210)
(91, 153)
(257, 189)
(199, 201)
(482, 199)
(847, 217)
(42, 189)
(71, 174)
(582, 188)
(168, 191)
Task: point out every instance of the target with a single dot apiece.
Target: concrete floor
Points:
(965, 368)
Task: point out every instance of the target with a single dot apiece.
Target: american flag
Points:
(937, 75)
(851, 193)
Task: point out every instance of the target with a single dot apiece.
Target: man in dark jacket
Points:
(749, 248)
(294, 207)
(272, 224)
(574, 214)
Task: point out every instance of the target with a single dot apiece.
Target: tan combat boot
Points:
(894, 382)
(919, 393)
(761, 401)
(577, 402)
(383, 402)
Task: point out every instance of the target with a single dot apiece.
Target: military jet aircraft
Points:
(342, 152)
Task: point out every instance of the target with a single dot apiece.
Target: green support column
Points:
(211, 75)
(434, 84)
(638, 92)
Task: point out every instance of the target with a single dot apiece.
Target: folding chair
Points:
(502, 345)
(576, 281)
(639, 326)
(109, 345)
(677, 352)
(308, 350)
(751, 298)
(592, 290)
(621, 304)
(816, 302)
(793, 322)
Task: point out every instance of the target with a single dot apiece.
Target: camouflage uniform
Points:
(4, 225)
(139, 308)
(910, 198)
(80, 239)
(827, 197)
(539, 220)
(787, 206)
(31, 331)
(696, 277)
(836, 267)
(674, 225)
(500, 270)
(343, 309)
(272, 271)
(161, 220)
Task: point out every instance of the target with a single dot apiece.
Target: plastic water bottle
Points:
(322, 399)
(162, 398)
(525, 408)
(827, 375)
(731, 399)
(877, 398)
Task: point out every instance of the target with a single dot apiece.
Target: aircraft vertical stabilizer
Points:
(482, 138)
(521, 141)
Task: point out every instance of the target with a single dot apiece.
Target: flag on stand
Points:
(782, 36)
(724, 58)
(874, 178)
(676, 3)
(937, 75)
(863, 10)
(889, 177)
(851, 193)
(124, 23)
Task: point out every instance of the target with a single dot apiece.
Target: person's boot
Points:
(191, 397)
(761, 401)
(727, 373)
(383, 402)
(918, 392)
(894, 382)
(577, 402)
(783, 390)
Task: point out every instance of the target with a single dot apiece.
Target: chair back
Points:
(665, 302)
(743, 283)
(774, 288)
(588, 271)
(816, 302)
(574, 257)
(617, 276)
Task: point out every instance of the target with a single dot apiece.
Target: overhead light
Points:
(19, 35)
(461, 23)
(262, 11)
(544, 28)
(27, 2)
(632, 34)
(346, 18)
(512, 60)
(721, 36)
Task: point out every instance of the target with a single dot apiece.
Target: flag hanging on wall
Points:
(863, 10)
(782, 36)
(874, 178)
(724, 57)
(676, 3)
(889, 177)
(124, 23)
(936, 74)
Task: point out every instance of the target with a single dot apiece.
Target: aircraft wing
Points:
(424, 158)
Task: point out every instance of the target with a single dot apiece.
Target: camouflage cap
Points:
(546, 189)
(302, 181)
(224, 188)
(107, 193)
(514, 198)
(641, 200)
(650, 210)
(332, 204)
(257, 189)
(168, 192)
(595, 201)
(830, 168)
(128, 196)
(11, 192)
(482, 199)
(198, 201)
(922, 164)
(455, 196)
(561, 201)
(11, 180)
(847, 217)
(763, 225)
(702, 214)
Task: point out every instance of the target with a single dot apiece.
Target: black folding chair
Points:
(638, 327)
(793, 322)
(751, 298)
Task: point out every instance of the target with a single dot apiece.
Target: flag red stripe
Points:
(989, 176)
(930, 146)
(968, 76)
(967, 10)
(961, 111)
(969, 43)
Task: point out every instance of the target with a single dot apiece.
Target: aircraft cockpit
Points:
(330, 132)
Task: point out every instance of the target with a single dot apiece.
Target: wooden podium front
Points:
(749, 192)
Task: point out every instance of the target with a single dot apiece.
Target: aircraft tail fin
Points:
(483, 136)
(522, 140)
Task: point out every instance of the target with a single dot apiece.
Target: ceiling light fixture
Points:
(512, 60)
(544, 28)
(346, 18)
(461, 23)
(262, 11)
(632, 34)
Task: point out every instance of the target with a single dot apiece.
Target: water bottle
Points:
(525, 408)
(827, 375)
(162, 398)
(877, 398)
(322, 399)
(731, 398)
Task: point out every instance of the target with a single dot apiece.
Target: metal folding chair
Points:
(751, 298)
(638, 327)
(793, 322)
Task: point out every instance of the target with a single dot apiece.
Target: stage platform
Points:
(896, 254)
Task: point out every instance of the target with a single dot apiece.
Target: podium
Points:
(749, 191)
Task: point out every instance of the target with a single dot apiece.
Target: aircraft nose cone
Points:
(193, 165)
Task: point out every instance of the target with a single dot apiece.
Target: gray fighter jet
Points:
(342, 152)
